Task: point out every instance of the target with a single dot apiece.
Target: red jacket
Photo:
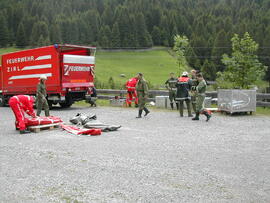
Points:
(183, 79)
(26, 103)
(131, 84)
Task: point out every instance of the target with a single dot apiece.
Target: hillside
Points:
(209, 25)
(155, 64)
(7, 50)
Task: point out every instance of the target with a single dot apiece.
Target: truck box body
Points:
(0, 79)
(69, 70)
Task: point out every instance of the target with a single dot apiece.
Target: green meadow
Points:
(7, 50)
(122, 65)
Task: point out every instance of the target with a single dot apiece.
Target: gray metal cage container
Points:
(117, 102)
(233, 100)
(162, 101)
(207, 102)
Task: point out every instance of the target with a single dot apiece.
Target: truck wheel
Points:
(2, 101)
(67, 103)
(50, 104)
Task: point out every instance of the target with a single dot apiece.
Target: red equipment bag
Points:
(80, 131)
(208, 111)
(42, 120)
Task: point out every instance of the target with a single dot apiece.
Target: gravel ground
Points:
(161, 158)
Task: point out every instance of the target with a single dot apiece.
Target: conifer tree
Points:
(21, 40)
(116, 42)
(156, 35)
(4, 33)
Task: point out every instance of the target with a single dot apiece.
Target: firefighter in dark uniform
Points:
(200, 96)
(170, 85)
(142, 92)
(194, 84)
(41, 101)
(183, 87)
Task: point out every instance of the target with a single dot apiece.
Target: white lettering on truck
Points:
(68, 68)
(20, 60)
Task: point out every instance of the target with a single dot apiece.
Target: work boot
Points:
(208, 116)
(24, 131)
(194, 107)
(172, 106)
(140, 114)
(47, 114)
(196, 118)
(146, 111)
(177, 105)
(181, 109)
(189, 109)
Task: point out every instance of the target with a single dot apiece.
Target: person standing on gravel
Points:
(41, 97)
(183, 86)
(200, 96)
(142, 91)
(170, 85)
(194, 84)
(131, 92)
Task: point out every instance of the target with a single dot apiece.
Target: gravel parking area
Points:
(161, 158)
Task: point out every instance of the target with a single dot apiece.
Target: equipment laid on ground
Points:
(207, 102)
(80, 119)
(38, 128)
(42, 123)
(79, 131)
(117, 102)
(234, 100)
(91, 122)
(69, 70)
(102, 126)
(162, 102)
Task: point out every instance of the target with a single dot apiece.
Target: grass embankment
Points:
(263, 111)
(7, 50)
(155, 64)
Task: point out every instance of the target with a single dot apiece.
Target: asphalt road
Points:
(161, 158)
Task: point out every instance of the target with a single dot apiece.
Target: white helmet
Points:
(43, 77)
(185, 73)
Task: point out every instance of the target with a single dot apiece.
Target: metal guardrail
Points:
(152, 93)
(262, 98)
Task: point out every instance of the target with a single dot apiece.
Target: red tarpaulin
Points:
(80, 131)
(42, 121)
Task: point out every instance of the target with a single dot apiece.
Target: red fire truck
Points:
(69, 69)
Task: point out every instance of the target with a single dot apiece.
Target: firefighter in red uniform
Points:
(131, 91)
(21, 104)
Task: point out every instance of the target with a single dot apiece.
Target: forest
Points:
(137, 24)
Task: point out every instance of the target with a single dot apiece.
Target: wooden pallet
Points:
(38, 128)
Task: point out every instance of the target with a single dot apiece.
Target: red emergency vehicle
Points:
(69, 69)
